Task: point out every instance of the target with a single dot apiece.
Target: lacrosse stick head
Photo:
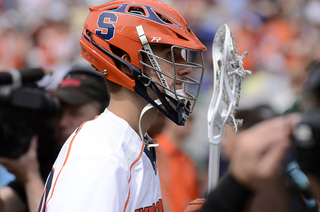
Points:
(228, 72)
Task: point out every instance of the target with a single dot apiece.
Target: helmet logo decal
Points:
(106, 29)
(151, 11)
(155, 39)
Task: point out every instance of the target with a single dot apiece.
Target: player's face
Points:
(164, 51)
(71, 117)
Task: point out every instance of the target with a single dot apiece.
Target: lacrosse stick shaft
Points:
(214, 166)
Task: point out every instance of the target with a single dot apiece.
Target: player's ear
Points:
(126, 57)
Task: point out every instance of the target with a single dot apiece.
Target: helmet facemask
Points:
(177, 98)
(175, 94)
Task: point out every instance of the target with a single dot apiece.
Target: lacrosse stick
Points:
(228, 72)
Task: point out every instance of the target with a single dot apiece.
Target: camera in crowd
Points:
(307, 142)
(25, 109)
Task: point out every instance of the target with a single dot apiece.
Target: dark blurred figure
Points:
(307, 134)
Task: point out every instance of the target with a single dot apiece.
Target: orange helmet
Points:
(133, 26)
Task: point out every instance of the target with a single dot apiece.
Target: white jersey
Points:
(103, 166)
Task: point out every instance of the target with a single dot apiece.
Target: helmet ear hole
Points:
(129, 73)
(119, 53)
(124, 56)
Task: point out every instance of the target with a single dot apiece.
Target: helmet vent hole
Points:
(164, 19)
(137, 10)
(113, 8)
(181, 37)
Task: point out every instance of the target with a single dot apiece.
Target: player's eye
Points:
(169, 55)
(176, 55)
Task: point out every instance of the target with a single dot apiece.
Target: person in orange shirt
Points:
(177, 170)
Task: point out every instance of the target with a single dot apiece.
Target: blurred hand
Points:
(228, 142)
(26, 166)
(260, 149)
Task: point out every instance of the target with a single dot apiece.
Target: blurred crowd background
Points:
(281, 36)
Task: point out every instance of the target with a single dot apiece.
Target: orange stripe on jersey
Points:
(65, 161)
(134, 162)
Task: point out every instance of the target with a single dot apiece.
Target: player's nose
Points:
(183, 70)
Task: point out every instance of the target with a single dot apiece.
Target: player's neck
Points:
(128, 105)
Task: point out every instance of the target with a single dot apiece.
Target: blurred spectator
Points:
(256, 159)
(271, 192)
(83, 95)
(14, 47)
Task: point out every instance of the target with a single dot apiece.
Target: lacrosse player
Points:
(144, 49)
